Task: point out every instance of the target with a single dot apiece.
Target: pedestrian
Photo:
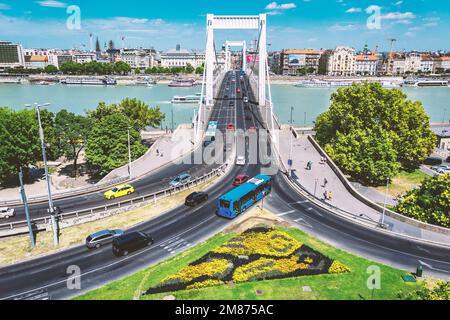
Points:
(325, 182)
(325, 195)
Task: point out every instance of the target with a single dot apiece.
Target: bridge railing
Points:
(39, 224)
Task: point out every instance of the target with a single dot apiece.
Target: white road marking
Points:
(299, 202)
(286, 213)
(431, 267)
(303, 222)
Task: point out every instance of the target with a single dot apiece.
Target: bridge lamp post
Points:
(129, 153)
(51, 206)
(291, 142)
(385, 204)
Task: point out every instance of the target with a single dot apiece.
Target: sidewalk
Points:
(313, 180)
(170, 147)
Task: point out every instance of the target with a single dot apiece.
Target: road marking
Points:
(303, 222)
(299, 202)
(432, 268)
(107, 265)
(310, 209)
(286, 213)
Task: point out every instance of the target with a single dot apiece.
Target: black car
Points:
(196, 198)
(130, 242)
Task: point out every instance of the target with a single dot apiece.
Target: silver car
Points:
(98, 239)
(6, 213)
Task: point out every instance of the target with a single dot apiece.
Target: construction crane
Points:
(388, 69)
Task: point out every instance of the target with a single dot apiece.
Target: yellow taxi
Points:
(119, 191)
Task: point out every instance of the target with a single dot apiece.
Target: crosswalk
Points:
(175, 245)
(34, 295)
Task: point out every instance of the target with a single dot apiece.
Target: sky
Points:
(416, 24)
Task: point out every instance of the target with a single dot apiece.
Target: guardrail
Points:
(39, 224)
(373, 205)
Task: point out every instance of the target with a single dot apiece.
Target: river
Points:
(307, 102)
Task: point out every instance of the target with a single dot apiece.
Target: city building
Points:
(179, 57)
(442, 64)
(37, 62)
(138, 58)
(426, 63)
(84, 57)
(338, 62)
(367, 63)
(294, 60)
(11, 55)
(274, 59)
(413, 62)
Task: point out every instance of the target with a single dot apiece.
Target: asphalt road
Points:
(46, 277)
(156, 180)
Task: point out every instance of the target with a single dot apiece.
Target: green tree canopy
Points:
(72, 131)
(371, 132)
(20, 146)
(138, 112)
(107, 145)
(439, 292)
(430, 203)
(51, 69)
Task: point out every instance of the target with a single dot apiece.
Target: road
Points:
(155, 181)
(45, 277)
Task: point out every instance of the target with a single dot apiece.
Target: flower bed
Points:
(256, 254)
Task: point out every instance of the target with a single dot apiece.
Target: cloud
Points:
(343, 27)
(4, 6)
(353, 10)
(432, 19)
(431, 24)
(284, 6)
(52, 4)
(410, 34)
(273, 13)
(398, 16)
(398, 3)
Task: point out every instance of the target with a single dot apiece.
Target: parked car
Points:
(119, 191)
(433, 161)
(240, 179)
(6, 213)
(231, 103)
(130, 242)
(444, 170)
(441, 167)
(195, 199)
(98, 239)
(252, 129)
(240, 161)
(181, 179)
(245, 99)
(230, 126)
(238, 90)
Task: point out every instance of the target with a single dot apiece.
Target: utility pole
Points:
(51, 207)
(172, 118)
(291, 142)
(27, 213)
(388, 69)
(385, 203)
(129, 154)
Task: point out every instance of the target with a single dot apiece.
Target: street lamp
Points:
(385, 204)
(291, 142)
(129, 154)
(51, 207)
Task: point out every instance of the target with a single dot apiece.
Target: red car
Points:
(252, 129)
(241, 179)
(230, 126)
(238, 90)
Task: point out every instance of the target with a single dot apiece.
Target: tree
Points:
(189, 68)
(139, 113)
(430, 203)
(107, 145)
(51, 69)
(73, 131)
(199, 70)
(20, 146)
(97, 46)
(371, 132)
(122, 68)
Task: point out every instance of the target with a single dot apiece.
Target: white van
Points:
(6, 213)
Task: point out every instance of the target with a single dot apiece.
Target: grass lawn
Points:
(327, 286)
(404, 181)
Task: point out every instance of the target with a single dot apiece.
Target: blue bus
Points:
(243, 197)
